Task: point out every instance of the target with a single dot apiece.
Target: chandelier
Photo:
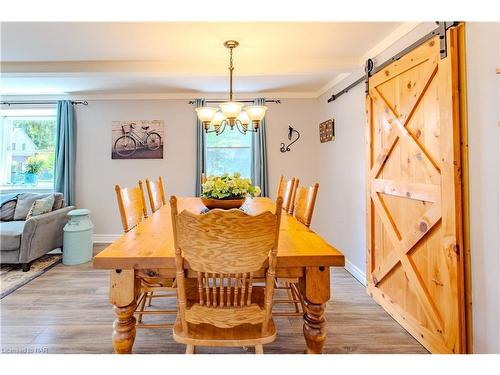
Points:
(231, 112)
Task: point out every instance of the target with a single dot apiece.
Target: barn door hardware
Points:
(368, 71)
(442, 27)
(440, 30)
(290, 134)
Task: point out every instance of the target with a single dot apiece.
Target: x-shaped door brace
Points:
(403, 246)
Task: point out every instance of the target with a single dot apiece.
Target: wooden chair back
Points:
(304, 204)
(281, 187)
(132, 205)
(287, 189)
(293, 193)
(225, 248)
(156, 194)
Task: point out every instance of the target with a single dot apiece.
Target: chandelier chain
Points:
(231, 68)
(231, 113)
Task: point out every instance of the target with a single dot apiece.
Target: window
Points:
(229, 152)
(30, 166)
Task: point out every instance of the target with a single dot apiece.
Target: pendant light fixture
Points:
(231, 112)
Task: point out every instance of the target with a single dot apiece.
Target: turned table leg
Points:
(315, 288)
(314, 327)
(123, 290)
(124, 328)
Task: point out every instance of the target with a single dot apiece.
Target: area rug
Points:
(12, 277)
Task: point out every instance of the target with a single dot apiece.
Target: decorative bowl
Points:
(224, 204)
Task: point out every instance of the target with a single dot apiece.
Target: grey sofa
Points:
(21, 240)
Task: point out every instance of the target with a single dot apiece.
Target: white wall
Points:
(97, 173)
(483, 57)
(340, 212)
(302, 160)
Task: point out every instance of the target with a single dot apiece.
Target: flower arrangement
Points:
(229, 186)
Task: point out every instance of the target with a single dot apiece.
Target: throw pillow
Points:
(58, 201)
(24, 203)
(7, 210)
(41, 206)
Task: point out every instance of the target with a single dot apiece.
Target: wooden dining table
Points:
(147, 251)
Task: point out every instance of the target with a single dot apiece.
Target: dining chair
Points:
(223, 306)
(156, 194)
(303, 211)
(132, 207)
(304, 204)
(286, 189)
(293, 192)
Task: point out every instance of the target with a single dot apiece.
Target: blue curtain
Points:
(259, 155)
(200, 149)
(64, 173)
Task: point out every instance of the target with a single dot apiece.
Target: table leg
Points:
(124, 328)
(123, 291)
(315, 288)
(314, 327)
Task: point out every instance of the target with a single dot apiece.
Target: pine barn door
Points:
(414, 213)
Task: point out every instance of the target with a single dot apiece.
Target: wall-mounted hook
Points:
(290, 133)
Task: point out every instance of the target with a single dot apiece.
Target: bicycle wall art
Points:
(141, 139)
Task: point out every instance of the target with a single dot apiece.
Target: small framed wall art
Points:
(327, 131)
(140, 139)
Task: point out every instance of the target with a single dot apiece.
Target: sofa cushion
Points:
(7, 210)
(58, 201)
(41, 206)
(10, 235)
(24, 203)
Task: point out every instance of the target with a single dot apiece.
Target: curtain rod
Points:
(75, 102)
(277, 101)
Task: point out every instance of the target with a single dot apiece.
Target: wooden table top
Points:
(150, 244)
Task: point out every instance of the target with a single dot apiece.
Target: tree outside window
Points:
(30, 166)
(229, 152)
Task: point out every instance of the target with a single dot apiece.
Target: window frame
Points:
(250, 147)
(25, 114)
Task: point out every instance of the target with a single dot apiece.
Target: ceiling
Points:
(184, 58)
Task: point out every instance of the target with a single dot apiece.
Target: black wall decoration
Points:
(290, 134)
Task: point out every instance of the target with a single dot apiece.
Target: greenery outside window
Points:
(229, 152)
(27, 156)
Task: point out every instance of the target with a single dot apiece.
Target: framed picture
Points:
(140, 139)
(327, 131)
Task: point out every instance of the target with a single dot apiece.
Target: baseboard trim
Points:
(105, 238)
(355, 272)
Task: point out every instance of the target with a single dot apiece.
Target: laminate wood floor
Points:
(66, 310)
